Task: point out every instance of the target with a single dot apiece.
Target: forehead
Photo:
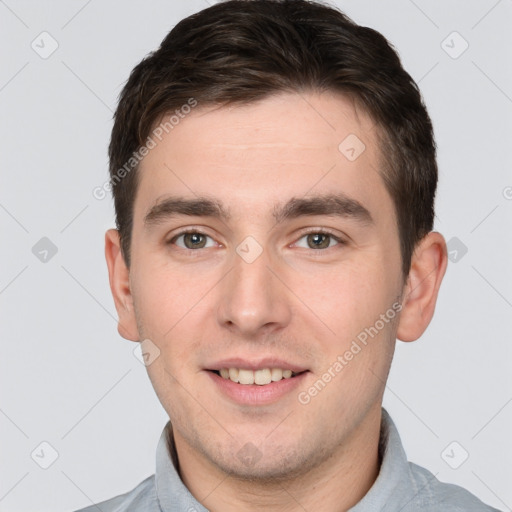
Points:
(264, 153)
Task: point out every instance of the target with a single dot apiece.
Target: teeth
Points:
(259, 377)
(233, 374)
(277, 374)
(262, 377)
(245, 376)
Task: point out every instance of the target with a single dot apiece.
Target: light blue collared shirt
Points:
(401, 486)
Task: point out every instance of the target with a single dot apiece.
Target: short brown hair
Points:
(240, 51)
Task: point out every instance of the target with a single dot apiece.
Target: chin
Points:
(267, 465)
(265, 473)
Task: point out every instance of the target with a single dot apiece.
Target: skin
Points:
(297, 302)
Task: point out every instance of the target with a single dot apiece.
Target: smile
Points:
(263, 386)
(259, 377)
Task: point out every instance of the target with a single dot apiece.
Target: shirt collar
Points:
(391, 488)
(171, 492)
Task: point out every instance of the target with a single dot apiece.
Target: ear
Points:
(119, 277)
(428, 266)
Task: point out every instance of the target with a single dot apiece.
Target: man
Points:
(273, 170)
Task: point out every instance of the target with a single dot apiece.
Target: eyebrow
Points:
(330, 204)
(173, 206)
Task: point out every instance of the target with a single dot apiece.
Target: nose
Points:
(253, 299)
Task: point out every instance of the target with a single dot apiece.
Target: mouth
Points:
(262, 382)
(261, 377)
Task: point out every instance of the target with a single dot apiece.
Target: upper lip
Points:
(256, 364)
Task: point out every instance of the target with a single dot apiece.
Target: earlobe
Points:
(428, 266)
(119, 278)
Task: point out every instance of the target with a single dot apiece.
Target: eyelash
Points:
(340, 241)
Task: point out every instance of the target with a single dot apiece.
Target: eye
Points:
(192, 240)
(318, 240)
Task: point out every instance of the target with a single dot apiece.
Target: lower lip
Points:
(253, 394)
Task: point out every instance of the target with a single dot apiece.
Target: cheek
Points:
(164, 297)
(170, 305)
(346, 298)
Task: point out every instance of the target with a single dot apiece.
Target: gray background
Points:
(68, 379)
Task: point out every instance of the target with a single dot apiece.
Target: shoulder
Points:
(430, 494)
(142, 497)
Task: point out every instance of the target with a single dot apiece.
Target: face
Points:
(260, 248)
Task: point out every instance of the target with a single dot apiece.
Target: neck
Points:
(338, 483)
